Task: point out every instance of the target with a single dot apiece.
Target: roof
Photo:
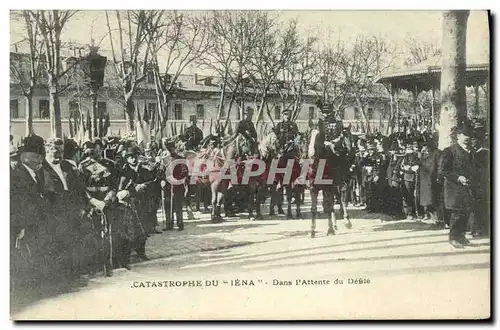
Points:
(428, 73)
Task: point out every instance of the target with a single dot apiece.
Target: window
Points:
(73, 109)
(356, 113)
(151, 77)
(43, 109)
(277, 112)
(178, 111)
(200, 111)
(152, 108)
(312, 113)
(369, 114)
(14, 109)
(101, 109)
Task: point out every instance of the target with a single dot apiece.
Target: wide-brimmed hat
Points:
(33, 143)
(465, 128)
(192, 118)
(132, 151)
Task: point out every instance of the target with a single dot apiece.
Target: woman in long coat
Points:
(428, 177)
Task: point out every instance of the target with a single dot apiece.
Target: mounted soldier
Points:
(246, 129)
(192, 135)
(286, 131)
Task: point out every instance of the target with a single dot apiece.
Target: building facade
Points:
(193, 95)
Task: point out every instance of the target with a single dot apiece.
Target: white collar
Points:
(467, 150)
(31, 172)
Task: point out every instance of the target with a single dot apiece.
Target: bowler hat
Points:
(33, 143)
(132, 151)
(286, 111)
(248, 110)
(465, 128)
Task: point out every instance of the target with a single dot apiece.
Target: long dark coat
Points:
(456, 162)
(428, 177)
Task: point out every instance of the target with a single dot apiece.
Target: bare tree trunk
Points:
(93, 116)
(54, 109)
(29, 115)
(453, 70)
(129, 114)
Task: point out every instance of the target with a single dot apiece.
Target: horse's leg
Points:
(298, 200)
(258, 195)
(179, 196)
(329, 198)
(197, 195)
(289, 192)
(273, 196)
(251, 200)
(314, 205)
(214, 188)
(279, 199)
(343, 207)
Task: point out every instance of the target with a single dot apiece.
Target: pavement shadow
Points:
(314, 250)
(371, 259)
(26, 294)
(406, 225)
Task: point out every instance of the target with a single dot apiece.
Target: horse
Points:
(336, 155)
(293, 189)
(228, 149)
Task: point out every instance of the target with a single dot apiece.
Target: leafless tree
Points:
(417, 51)
(273, 50)
(368, 58)
(27, 70)
(297, 71)
(329, 80)
(233, 37)
(178, 39)
(51, 24)
(134, 52)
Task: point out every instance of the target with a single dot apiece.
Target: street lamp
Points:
(93, 66)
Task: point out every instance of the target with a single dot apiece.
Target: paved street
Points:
(412, 272)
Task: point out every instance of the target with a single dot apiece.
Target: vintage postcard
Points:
(249, 165)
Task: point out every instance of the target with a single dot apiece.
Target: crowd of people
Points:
(82, 209)
(405, 175)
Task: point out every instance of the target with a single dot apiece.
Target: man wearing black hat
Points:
(286, 130)
(28, 209)
(457, 169)
(67, 198)
(481, 186)
(192, 135)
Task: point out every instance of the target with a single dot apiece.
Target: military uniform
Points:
(192, 135)
(409, 167)
(100, 178)
(286, 132)
(140, 183)
(394, 180)
(247, 129)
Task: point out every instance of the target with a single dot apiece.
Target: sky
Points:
(394, 26)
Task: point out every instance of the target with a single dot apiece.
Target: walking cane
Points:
(163, 212)
(171, 224)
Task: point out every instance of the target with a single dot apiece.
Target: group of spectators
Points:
(405, 175)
